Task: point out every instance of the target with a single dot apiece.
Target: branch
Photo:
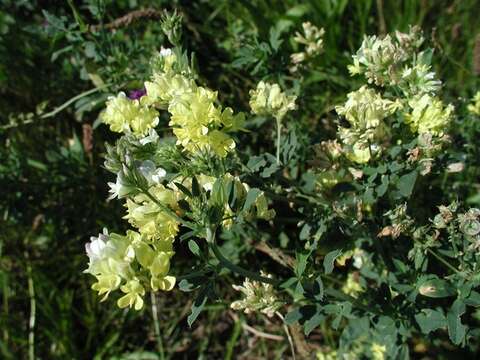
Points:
(126, 20)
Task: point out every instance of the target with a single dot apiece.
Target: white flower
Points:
(152, 137)
(165, 51)
(152, 174)
(158, 175)
(96, 248)
(119, 189)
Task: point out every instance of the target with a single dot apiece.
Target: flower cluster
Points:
(312, 40)
(268, 99)
(125, 262)
(197, 122)
(162, 185)
(395, 61)
(258, 297)
(365, 111)
(129, 115)
(401, 222)
(396, 66)
(429, 115)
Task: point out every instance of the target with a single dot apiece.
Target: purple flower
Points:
(137, 94)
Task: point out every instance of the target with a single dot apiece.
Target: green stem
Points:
(279, 138)
(58, 109)
(156, 325)
(6, 292)
(33, 306)
(443, 261)
(287, 332)
(231, 266)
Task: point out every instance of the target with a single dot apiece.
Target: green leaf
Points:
(255, 163)
(406, 183)
(430, 320)
(274, 39)
(313, 322)
(289, 283)
(193, 282)
(298, 10)
(37, 164)
(299, 291)
(434, 287)
(368, 196)
(268, 171)
(231, 194)
(318, 289)
(183, 189)
(473, 299)
(456, 330)
(382, 189)
(252, 196)
(198, 304)
(305, 232)
(329, 260)
(56, 22)
(195, 187)
(194, 248)
(301, 263)
(293, 316)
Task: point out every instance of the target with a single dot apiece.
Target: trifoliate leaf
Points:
(430, 320)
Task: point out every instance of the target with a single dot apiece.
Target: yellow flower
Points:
(105, 284)
(134, 292)
(165, 283)
(196, 122)
(165, 87)
(365, 109)
(352, 287)
(126, 115)
(474, 107)
(268, 99)
(149, 219)
(378, 351)
(429, 115)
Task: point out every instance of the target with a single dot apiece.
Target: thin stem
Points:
(279, 138)
(5, 308)
(285, 199)
(156, 325)
(443, 261)
(59, 108)
(289, 337)
(33, 306)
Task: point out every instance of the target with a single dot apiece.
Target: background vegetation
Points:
(55, 74)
